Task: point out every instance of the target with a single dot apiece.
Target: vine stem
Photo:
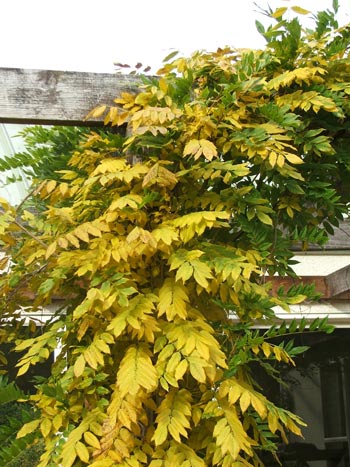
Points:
(31, 193)
(30, 234)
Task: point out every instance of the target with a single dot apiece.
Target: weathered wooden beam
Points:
(338, 283)
(57, 97)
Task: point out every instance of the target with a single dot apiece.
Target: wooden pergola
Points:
(65, 98)
(57, 97)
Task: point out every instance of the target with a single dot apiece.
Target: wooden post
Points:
(57, 97)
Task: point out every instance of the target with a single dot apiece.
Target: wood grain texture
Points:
(57, 97)
(338, 283)
(341, 238)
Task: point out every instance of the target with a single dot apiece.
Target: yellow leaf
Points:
(25, 344)
(93, 230)
(142, 99)
(293, 159)
(160, 434)
(258, 405)
(201, 272)
(51, 185)
(266, 349)
(244, 401)
(91, 440)
(196, 415)
(73, 240)
(79, 366)
(278, 353)
(184, 272)
(63, 187)
(173, 298)
(279, 12)
(272, 421)
(181, 369)
(208, 149)
(103, 463)
(173, 417)
(23, 369)
(45, 427)
(28, 428)
(118, 324)
(96, 428)
(273, 158)
(82, 452)
(234, 393)
(98, 111)
(69, 457)
(90, 357)
(280, 160)
(131, 200)
(51, 250)
(102, 346)
(300, 11)
(163, 85)
(166, 235)
(173, 362)
(197, 368)
(62, 242)
(136, 370)
(227, 433)
(192, 147)
(166, 352)
(190, 344)
(197, 147)
(57, 421)
(159, 175)
(81, 233)
(5, 204)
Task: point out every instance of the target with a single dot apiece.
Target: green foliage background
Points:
(14, 452)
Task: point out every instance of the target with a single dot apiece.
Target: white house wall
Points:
(9, 145)
(320, 263)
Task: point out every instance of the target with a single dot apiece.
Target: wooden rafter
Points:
(57, 97)
(338, 283)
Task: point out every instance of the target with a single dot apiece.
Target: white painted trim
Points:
(338, 312)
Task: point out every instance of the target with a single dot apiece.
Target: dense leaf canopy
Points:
(157, 247)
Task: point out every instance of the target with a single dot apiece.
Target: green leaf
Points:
(264, 218)
(170, 56)
(260, 27)
(46, 286)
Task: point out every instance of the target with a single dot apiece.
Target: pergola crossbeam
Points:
(57, 97)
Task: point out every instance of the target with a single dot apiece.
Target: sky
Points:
(92, 35)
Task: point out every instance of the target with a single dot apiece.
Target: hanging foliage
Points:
(158, 248)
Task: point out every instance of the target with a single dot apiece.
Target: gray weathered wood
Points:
(340, 241)
(341, 238)
(338, 282)
(57, 97)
